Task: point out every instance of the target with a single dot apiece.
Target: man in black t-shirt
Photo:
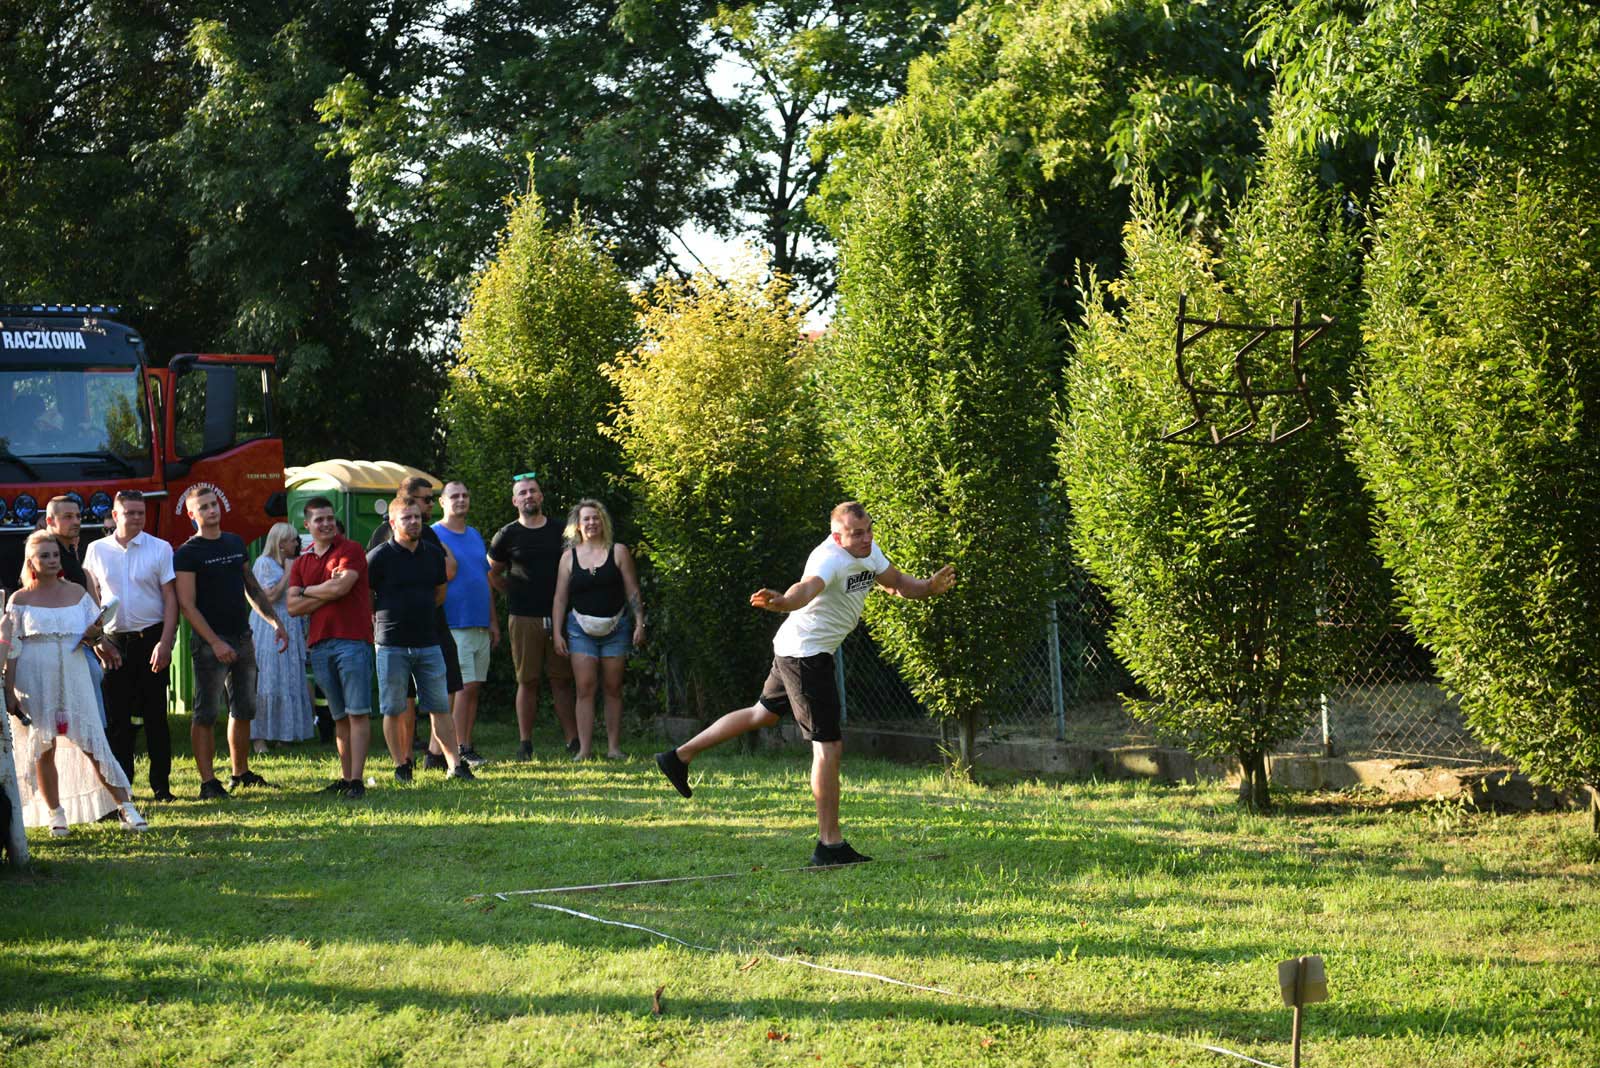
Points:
(407, 577)
(216, 590)
(422, 492)
(523, 558)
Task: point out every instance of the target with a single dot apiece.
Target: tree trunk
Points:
(1253, 793)
(965, 750)
(1594, 811)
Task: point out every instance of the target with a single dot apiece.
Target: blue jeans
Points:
(343, 669)
(399, 664)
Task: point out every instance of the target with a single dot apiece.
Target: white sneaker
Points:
(58, 823)
(131, 818)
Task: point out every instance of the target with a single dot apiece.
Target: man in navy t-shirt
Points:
(216, 590)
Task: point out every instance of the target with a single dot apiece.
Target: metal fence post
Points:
(1057, 700)
(838, 678)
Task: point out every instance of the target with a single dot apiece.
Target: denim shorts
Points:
(618, 643)
(400, 664)
(220, 687)
(343, 670)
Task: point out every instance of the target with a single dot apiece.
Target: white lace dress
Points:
(53, 684)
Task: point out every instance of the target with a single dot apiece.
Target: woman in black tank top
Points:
(596, 609)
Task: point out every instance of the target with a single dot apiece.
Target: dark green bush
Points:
(939, 395)
(1478, 430)
(1221, 561)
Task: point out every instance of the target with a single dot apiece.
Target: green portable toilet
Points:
(359, 489)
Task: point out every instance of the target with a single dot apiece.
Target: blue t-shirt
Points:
(468, 599)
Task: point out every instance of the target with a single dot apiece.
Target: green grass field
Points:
(1135, 921)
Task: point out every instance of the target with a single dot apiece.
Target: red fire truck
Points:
(85, 411)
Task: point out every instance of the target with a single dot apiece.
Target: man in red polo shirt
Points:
(329, 584)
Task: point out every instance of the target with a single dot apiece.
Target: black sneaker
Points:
(676, 771)
(826, 856)
(573, 747)
(470, 755)
(402, 773)
(355, 790)
(525, 751)
(462, 771)
(162, 795)
(211, 790)
(249, 778)
(434, 762)
(337, 786)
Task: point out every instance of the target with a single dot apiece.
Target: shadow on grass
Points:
(1021, 880)
(168, 980)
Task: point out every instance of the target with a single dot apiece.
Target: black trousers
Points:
(132, 692)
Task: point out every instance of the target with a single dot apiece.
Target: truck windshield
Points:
(76, 412)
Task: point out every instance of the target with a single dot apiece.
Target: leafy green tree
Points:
(608, 100)
(293, 270)
(1478, 430)
(168, 159)
(719, 425)
(658, 118)
(528, 394)
(1073, 97)
(800, 65)
(1221, 561)
(1390, 81)
(938, 396)
(84, 90)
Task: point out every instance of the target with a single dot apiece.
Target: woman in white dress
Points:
(283, 704)
(66, 772)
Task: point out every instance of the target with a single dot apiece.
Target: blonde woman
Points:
(596, 609)
(65, 768)
(283, 704)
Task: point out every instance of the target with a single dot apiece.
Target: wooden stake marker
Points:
(1302, 981)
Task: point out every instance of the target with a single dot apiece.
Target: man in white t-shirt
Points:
(824, 607)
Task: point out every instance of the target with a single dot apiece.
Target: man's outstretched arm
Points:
(901, 584)
(792, 599)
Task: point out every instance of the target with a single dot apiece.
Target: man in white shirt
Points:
(136, 569)
(823, 607)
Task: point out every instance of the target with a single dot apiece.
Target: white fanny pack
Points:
(598, 626)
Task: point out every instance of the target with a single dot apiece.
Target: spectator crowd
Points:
(88, 637)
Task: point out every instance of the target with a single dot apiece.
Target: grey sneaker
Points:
(470, 755)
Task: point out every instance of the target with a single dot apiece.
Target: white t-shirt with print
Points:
(824, 623)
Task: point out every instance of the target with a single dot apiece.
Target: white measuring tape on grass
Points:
(507, 895)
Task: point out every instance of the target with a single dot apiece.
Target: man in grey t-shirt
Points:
(823, 607)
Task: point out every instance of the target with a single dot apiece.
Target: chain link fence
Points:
(1072, 686)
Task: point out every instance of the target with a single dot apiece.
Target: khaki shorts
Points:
(533, 652)
(472, 651)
